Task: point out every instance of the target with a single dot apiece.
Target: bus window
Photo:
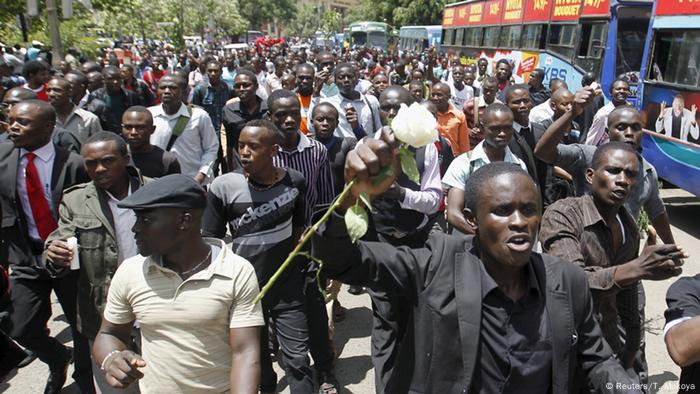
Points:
(632, 24)
(459, 37)
(472, 37)
(676, 57)
(448, 37)
(510, 37)
(491, 36)
(590, 51)
(533, 36)
(377, 39)
(443, 36)
(561, 39)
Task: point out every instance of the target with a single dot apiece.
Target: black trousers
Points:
(317, 317)
(391, 317)
(30, 310)
(292, 334)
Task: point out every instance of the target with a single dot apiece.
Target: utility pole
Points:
(52, 16)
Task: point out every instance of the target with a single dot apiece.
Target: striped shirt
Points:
(310, 158)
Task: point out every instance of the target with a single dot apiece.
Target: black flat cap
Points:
(172, 191)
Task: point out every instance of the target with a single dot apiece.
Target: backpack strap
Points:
(179, 128)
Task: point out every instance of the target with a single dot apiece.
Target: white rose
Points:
(415, 125)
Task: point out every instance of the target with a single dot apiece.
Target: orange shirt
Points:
(305, 102)
(452, 124)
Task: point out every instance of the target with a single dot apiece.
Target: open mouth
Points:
(519, 243)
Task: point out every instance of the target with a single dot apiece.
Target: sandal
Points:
(329, 384)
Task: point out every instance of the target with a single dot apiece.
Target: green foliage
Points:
(331, 23)
(356, 222)
(257, 12)
(400, 12)
(305, 22)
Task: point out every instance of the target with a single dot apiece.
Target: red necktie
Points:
(45, 223)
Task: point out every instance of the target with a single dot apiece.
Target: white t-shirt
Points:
(459, 97)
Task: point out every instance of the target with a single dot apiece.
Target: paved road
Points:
(354, 368)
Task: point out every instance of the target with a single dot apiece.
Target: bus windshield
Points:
(359, 38)
(632, 25)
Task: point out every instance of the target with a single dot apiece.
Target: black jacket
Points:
(114, 122)
(442, 283)
(17, 248)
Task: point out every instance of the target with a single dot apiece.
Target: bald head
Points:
(390, 102)
(556, 84)
(17, 94)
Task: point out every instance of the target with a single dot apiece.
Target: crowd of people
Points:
(156, 196)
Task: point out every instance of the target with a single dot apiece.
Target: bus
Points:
(671, 78)
(250, 36)
(371, 35)
(419, 38)
(566, 38)
(323, 41)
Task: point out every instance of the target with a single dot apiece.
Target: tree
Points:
(332, 21)
(257, 12)
(400, 12)
(305, 22)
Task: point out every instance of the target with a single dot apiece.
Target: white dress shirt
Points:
(367, 108)
(541, 112)
(427, 199)
(44, 167)
(198, 144)
(124, 220)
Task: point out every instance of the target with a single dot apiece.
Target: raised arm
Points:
(546, 148)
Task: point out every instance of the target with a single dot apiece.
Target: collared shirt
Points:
(186, 324)
(311, 159)
(452, 124)
(427, 199)
(81, 123)
(274, 82)
(124, 220)
(198, 144)
(44, 167)
(574, 230)
(235, 117)
(597, 134)
(576, 158)
(464, 165)
(367, 108)
(212, 100)
(541, 112)
(516, 348)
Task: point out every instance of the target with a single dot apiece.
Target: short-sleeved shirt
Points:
(683, 301)
(465, 164)
(185, 325)
(156, 163)
(459, 97)
(261, 222)
(235, 117)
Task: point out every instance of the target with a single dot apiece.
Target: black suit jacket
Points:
(538, 170)
(17, 248)
(443, 284)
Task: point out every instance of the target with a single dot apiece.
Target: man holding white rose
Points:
(404, 215)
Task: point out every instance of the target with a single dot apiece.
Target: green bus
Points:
(371, 35)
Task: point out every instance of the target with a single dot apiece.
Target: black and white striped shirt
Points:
(310, 158)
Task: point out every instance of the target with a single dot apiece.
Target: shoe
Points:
(356, 290)
(57, 374)
(28, 359)
(338, 312)
(329, 384)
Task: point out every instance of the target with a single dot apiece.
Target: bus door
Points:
(628, 30)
